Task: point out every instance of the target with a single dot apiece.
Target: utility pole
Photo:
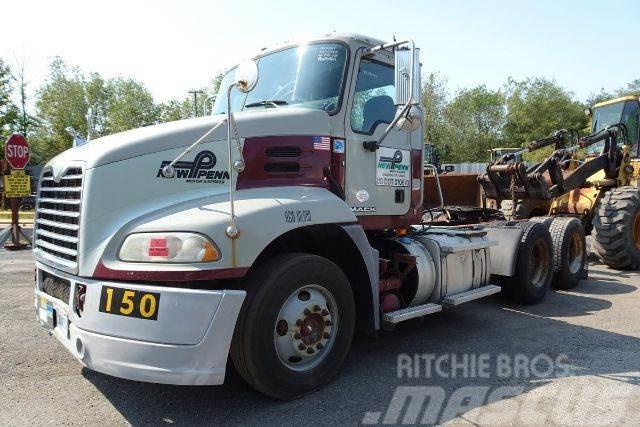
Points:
(195, 99)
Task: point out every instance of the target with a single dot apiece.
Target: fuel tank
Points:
(448, 261)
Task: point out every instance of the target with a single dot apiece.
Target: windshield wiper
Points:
(265, 102)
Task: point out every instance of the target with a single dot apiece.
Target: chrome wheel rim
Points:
(306, 328)
(539, 263)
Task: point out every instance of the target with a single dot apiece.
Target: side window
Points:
(630, 118)
(373, 102)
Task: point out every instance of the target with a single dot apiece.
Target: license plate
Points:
(45, 313)
(62, 323)
(129, 302)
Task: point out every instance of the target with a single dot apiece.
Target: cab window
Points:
(630, 119)
(373, 102)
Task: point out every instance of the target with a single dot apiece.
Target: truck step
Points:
(462, 297)
(395, 317)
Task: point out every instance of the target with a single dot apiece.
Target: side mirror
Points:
(405, 77)
(411, 121)
(246, 76)
(587, 112)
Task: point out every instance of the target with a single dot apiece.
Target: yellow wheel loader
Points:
(600, 187)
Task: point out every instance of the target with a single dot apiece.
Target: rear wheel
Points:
(534, 265)
(616, 227)
(569, 252)
(295, 328)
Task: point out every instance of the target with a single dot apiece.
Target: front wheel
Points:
(295, 328)
(616, 227)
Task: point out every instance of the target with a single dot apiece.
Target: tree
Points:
(632, 88)
(474, 121)
(129, 105)
(434, 102)
(537, 107)
(8, 111)
(67, 96)
(61, 103)
(25, 122)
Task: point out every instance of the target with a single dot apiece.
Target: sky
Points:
(175, 46)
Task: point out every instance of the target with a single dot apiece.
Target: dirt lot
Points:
(591, 335)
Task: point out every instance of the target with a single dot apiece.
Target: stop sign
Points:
(16, 151)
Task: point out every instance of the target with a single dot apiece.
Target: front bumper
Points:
(140, 349)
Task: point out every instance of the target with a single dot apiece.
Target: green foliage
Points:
(61, 103)
(176, 110)
(434, 103)
(8, 111)
(129, 105)
(474, 120)
(537, 107)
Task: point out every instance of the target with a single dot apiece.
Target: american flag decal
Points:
(321, 143)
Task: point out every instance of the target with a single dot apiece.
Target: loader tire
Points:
(569, 252)
(616, 226)
(295, 327)
(534, 265)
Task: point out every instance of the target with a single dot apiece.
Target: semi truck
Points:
(269, 231)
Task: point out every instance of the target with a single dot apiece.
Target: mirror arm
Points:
(168, 171)
(374, 145)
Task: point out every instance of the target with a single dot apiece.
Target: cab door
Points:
(377, 182)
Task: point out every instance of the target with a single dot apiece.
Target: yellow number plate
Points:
(127, 302)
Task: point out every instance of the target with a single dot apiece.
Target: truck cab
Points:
(269, 230)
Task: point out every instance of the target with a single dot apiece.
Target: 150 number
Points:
(126, 302)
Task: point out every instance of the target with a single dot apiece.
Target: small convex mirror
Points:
(246, 75)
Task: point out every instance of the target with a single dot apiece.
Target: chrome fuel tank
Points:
(463, 259)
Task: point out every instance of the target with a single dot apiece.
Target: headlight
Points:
(168, 247)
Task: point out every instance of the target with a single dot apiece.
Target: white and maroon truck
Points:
(271, 229)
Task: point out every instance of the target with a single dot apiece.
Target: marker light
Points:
(168, 248)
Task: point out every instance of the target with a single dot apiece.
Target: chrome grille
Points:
(58, 217)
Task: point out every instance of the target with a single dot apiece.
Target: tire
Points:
(545, 220)
(534, 265)
(616, 226)
(261, 342)
(569, 252)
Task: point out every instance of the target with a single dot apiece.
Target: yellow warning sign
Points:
(18, 184)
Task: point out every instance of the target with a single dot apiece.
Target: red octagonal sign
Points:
(16, 151)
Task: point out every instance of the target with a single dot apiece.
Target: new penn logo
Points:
(200, 170)
(394, 162)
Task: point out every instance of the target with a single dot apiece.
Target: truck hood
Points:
(182, 133)
(122, 184)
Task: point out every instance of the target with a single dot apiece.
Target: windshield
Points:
(308, 76)
(606, 116)
(602, 117)
(621, 112)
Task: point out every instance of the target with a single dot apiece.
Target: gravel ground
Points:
(592, 335)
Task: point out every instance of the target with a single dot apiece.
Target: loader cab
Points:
(620, 110)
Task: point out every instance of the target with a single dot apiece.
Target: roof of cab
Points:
(616, 100)
(348, 38)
